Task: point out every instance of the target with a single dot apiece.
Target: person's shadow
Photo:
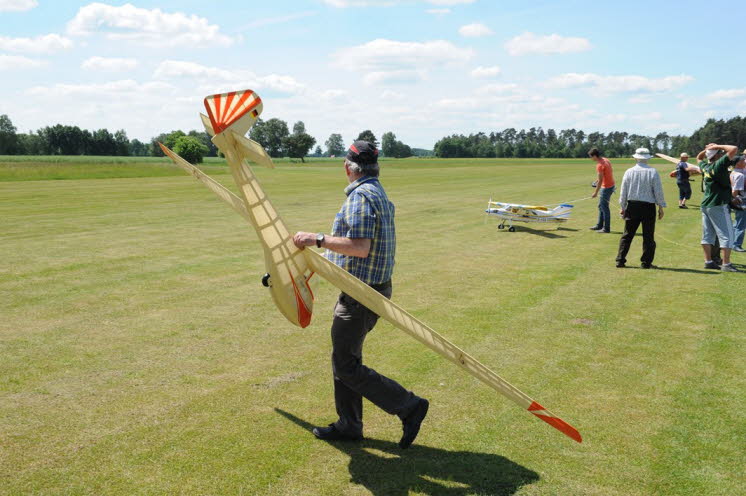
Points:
(385, 469)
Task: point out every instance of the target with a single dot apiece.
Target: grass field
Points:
(141, 355)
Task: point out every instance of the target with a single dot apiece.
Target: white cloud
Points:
(450, 2)
(485, 72)
(388, 55)
(475, 30)
(175, 69)
(400, 76)
(17, 5)
(392, 95)
(278, 20)
(108, 64)
(719, 98)
(49, 43)
(342, 4)
(618, 84)
(150, 27)
(109, 90)
(438, 12)
(495, 89)
(527, 43)
(15, 62)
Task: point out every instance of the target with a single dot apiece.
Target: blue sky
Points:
(422, 69)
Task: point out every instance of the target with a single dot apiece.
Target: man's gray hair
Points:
(366, 169)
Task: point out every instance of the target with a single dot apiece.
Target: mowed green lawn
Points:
(141, 355)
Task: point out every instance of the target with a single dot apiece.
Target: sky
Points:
(422, 69)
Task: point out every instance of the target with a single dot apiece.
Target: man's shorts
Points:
(716, 222)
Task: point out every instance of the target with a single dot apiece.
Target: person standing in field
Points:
(641, 192)
(605, 186)
(738, 188)
(715, 207)
(681, 173)
(363, 242)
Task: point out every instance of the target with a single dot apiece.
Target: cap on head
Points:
(684, 155)
(711, 152)
(642, 154)
(362, 153)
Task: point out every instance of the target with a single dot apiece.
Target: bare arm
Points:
(598, 184)
(354, 247)
(730, 150)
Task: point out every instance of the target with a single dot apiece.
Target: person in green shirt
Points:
(716, 222)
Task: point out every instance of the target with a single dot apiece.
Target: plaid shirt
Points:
(367, 213)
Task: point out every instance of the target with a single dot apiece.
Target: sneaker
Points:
(620, 265)
(331, 433)
(411, 424)
(648, 266)
(595, 228)
(738, 249)
(601, 231)
(683, 206)
(712, 265)
(729, 268)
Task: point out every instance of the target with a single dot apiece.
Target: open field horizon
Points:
(143, 356)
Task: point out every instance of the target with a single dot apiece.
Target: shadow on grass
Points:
(538, 232)
(385, 469)
(677, 269)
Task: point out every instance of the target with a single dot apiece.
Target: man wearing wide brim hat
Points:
(641, 191)
(716, 222)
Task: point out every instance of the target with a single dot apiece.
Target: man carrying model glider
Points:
(363, 242)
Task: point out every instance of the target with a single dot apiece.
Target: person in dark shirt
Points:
(682, 172)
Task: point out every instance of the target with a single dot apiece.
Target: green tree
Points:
(121, 143)
(190, 148)
(270, 134)
(298, 144)
(368, 136)
(334, 145)
(31, 144)
(8, 136)
(138, 148)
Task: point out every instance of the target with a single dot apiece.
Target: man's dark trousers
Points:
(352, 379)
(637, 213)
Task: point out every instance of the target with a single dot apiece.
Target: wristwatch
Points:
(319, 239)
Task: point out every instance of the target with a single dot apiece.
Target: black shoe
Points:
(411, 424)
(712, 265)
(648, 266)
(683, 206)
(620, 265)
(595, 228)
(332, 434)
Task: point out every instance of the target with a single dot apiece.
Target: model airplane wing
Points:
(676, 161)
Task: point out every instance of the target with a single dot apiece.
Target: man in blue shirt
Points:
(363, 242)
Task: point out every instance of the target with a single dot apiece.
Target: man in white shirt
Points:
(737, 180)
(641, 192)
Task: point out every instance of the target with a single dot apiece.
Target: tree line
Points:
(275, 136)
(571, 143)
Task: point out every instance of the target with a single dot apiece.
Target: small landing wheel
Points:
(266, 282)
(501, 226)
(511, 229)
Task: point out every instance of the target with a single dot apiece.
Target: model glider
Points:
(691, 168)
(230, 115)
(513, 212)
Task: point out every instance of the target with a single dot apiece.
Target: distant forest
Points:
(535, 142)
(571, 143)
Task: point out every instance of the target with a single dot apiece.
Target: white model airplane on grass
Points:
(230, 116)
(514, 212)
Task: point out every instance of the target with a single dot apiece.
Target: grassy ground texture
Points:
(141, 355)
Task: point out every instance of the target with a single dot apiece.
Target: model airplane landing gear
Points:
(266, 281)
(511, 229)
(501, 226)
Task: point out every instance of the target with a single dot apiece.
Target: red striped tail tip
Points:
(555, 422)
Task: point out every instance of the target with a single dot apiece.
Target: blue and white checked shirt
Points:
(367, 213)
